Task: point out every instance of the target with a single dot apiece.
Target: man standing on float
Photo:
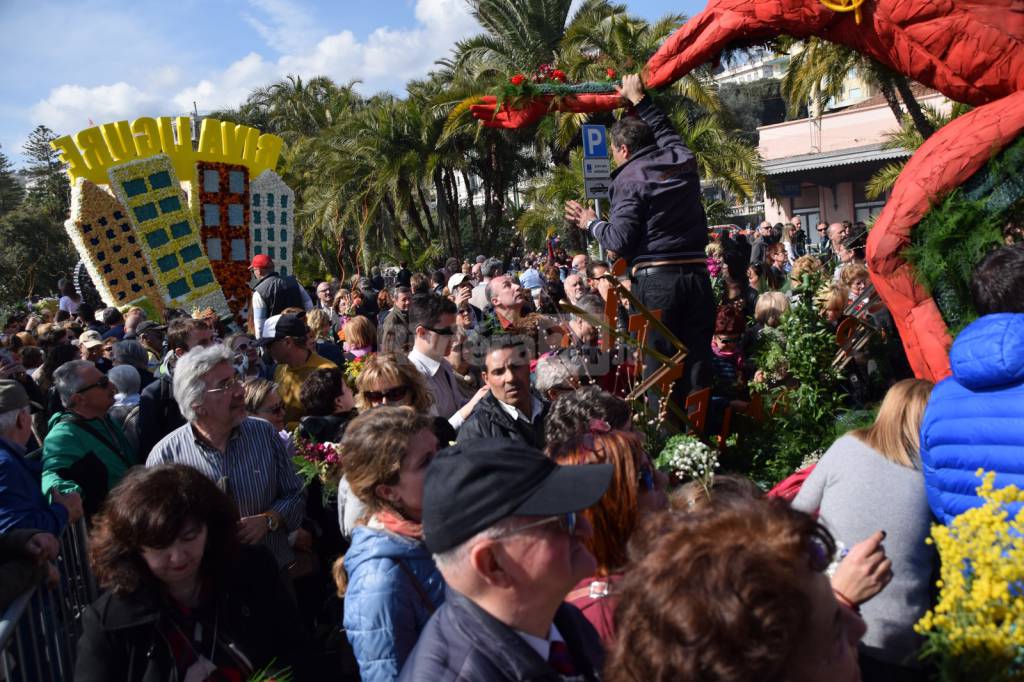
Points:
(657, 224)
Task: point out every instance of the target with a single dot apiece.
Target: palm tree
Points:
(817, 69)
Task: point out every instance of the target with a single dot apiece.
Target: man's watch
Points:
(590, 224)
(272, 522)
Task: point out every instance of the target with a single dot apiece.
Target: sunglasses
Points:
(102, 382)
(566, 521)
(392, 395)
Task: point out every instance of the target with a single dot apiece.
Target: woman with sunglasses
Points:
(263, 401)
(247, 357)
(637, 490)
(387, 578)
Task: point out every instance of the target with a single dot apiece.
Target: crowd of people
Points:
(487, 509)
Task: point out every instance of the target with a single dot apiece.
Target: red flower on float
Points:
(517, 79)
(558, 75)
(611, 73)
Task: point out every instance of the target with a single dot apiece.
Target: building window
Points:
(284, 252)
(284, 217)
(178, 288)
(190, 253)
(157, 238)
(211, 181)
(236, 216)
(213, 250)
(270, 251)
(257, 235)
(270, 218)
(270, 234)
(854, 93)
(238, 250)
(202, 277)
(257, 250)
(284, 235)
(270, 199)
(211, 215)
(284, 201)
(256, 199)
(170, 205)
(168, 262)
(134, 188)
(145, 212)
(236, 182)
(160, 180)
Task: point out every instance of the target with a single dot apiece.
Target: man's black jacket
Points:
(490, 420)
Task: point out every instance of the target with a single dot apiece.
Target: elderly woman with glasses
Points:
(264, 402)
(636, 490)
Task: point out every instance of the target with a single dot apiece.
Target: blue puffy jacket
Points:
(384, 610)
(975, 418)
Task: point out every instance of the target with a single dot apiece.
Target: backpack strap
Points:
(417, 585)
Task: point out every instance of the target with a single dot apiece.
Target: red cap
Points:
(261, 261)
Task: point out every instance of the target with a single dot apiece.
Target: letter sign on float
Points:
(595, 142)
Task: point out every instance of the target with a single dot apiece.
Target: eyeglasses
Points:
(392, 395)
(447, 331)
(566, 521)
(273, 409)
(102, 382)
(226, 385)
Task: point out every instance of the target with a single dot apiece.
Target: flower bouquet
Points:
(353, 368)
(686, 457)
(321, 461)
(976, 631)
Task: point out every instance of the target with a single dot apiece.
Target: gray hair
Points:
(491, 268)
(554, 370)
(592, 304)
(125, 378)
(68, 381)
(131, 353)
(189, 386)
(452, 560)
(9, 418)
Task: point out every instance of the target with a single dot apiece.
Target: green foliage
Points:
(49, 189)
(802, 391)
(11, 191)
(754, 104)
(957, 232)
(35, 248)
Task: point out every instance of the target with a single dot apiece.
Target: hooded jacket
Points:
(973, 419)
(393, 588)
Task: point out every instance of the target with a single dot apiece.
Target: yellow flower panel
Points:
(159, 210)
(107, 242)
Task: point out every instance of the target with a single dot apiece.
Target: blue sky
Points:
(66, 62)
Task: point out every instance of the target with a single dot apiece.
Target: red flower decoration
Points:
(558, 75)
(611, 73)
(517, 79)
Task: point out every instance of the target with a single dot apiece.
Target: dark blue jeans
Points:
(683, 294)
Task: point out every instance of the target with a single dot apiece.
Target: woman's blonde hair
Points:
(834, 298)
(896, 433)
(256, 391)
(360, 332)
(852, 272)
(319, 323)
(393, 369)
(769, 308)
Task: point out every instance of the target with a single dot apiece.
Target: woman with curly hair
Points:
(184, 599)
(734, 593)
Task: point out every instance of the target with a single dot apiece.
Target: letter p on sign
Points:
(595, 142)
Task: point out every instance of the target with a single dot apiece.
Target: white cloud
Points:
(384, 61)
(289, 27)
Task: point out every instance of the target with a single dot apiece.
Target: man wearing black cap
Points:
(500, 519)
(286, 337)
(22, 504)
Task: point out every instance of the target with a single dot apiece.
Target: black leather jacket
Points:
(490, 420)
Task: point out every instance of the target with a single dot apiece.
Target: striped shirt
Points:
(256, 472)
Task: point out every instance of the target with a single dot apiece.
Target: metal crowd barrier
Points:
(40, 629)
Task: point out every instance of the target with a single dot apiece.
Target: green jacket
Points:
(71, 438)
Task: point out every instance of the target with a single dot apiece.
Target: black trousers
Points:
(683, 294)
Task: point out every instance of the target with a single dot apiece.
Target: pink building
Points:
(817, 168)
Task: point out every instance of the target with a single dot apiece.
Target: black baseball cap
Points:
(282, 327)
(472, 485)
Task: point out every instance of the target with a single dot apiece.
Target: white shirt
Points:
(542, 646)
(535, 407)
(443, 385)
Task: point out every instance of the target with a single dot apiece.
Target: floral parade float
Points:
(970, 50)
(161, 222)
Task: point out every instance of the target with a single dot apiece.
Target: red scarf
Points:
(399, 525)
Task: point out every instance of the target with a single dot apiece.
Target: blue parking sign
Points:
(595, 142)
